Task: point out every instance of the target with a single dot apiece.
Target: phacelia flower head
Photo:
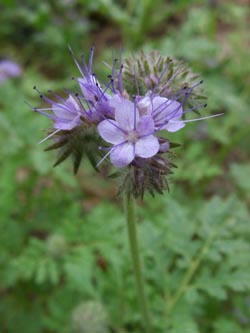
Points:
(131, 115)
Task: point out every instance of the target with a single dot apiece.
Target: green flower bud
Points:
(89, 317)
(56, 246)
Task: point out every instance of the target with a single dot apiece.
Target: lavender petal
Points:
(147, 146)
(124, 112)
(145, 125)
(66, 124)
(122, 155)
(109, 130)
(174, 125)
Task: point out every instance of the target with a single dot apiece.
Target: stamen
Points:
(161, 76)
(49, 136)
(199, 106)
(57, 96)
(171, 114)
(30, 106)
(134, 114)
(111, 82)
(38, 91)
(43, 109)
(120, 85)
(91, 56)
(187, 93)
(76, 61)
(104, 157)
(82, 106)
(161, 108)
(191, 120)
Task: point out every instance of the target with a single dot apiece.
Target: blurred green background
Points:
(64, 263)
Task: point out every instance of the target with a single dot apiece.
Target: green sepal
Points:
(79, 142)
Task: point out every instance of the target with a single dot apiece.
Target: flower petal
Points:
(145, 125)
(109, 130)
(174, 109)
(122, 155)
(158, 101)
(174, 125)
(72, 104)
(147, 146)
(165, 110)
(125, 112)
(66, 111)
(67, 125)
(90, 88)
(61, 111)
(145, 106)
(114, 101)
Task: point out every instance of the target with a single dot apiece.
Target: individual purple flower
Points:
(9, 69)
(165, 112)
(92, 97)
(67, 115)
(130, 133)
(91, 89)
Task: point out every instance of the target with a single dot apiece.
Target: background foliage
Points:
(64, 265)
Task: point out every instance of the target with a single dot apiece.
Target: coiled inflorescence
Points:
(125, 117)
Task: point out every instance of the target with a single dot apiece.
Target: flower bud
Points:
(89, 317)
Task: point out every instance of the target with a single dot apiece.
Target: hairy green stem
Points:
(129, 204)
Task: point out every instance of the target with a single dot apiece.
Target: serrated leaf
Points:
(182, 320)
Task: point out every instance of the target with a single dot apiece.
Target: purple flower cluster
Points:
(128, 126)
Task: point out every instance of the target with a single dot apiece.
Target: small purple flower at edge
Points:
(9, 69)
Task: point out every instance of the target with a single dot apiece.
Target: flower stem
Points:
(129, 204)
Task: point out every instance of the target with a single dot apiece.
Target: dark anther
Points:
(201, 81)
(109, 76)
(76, 94)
